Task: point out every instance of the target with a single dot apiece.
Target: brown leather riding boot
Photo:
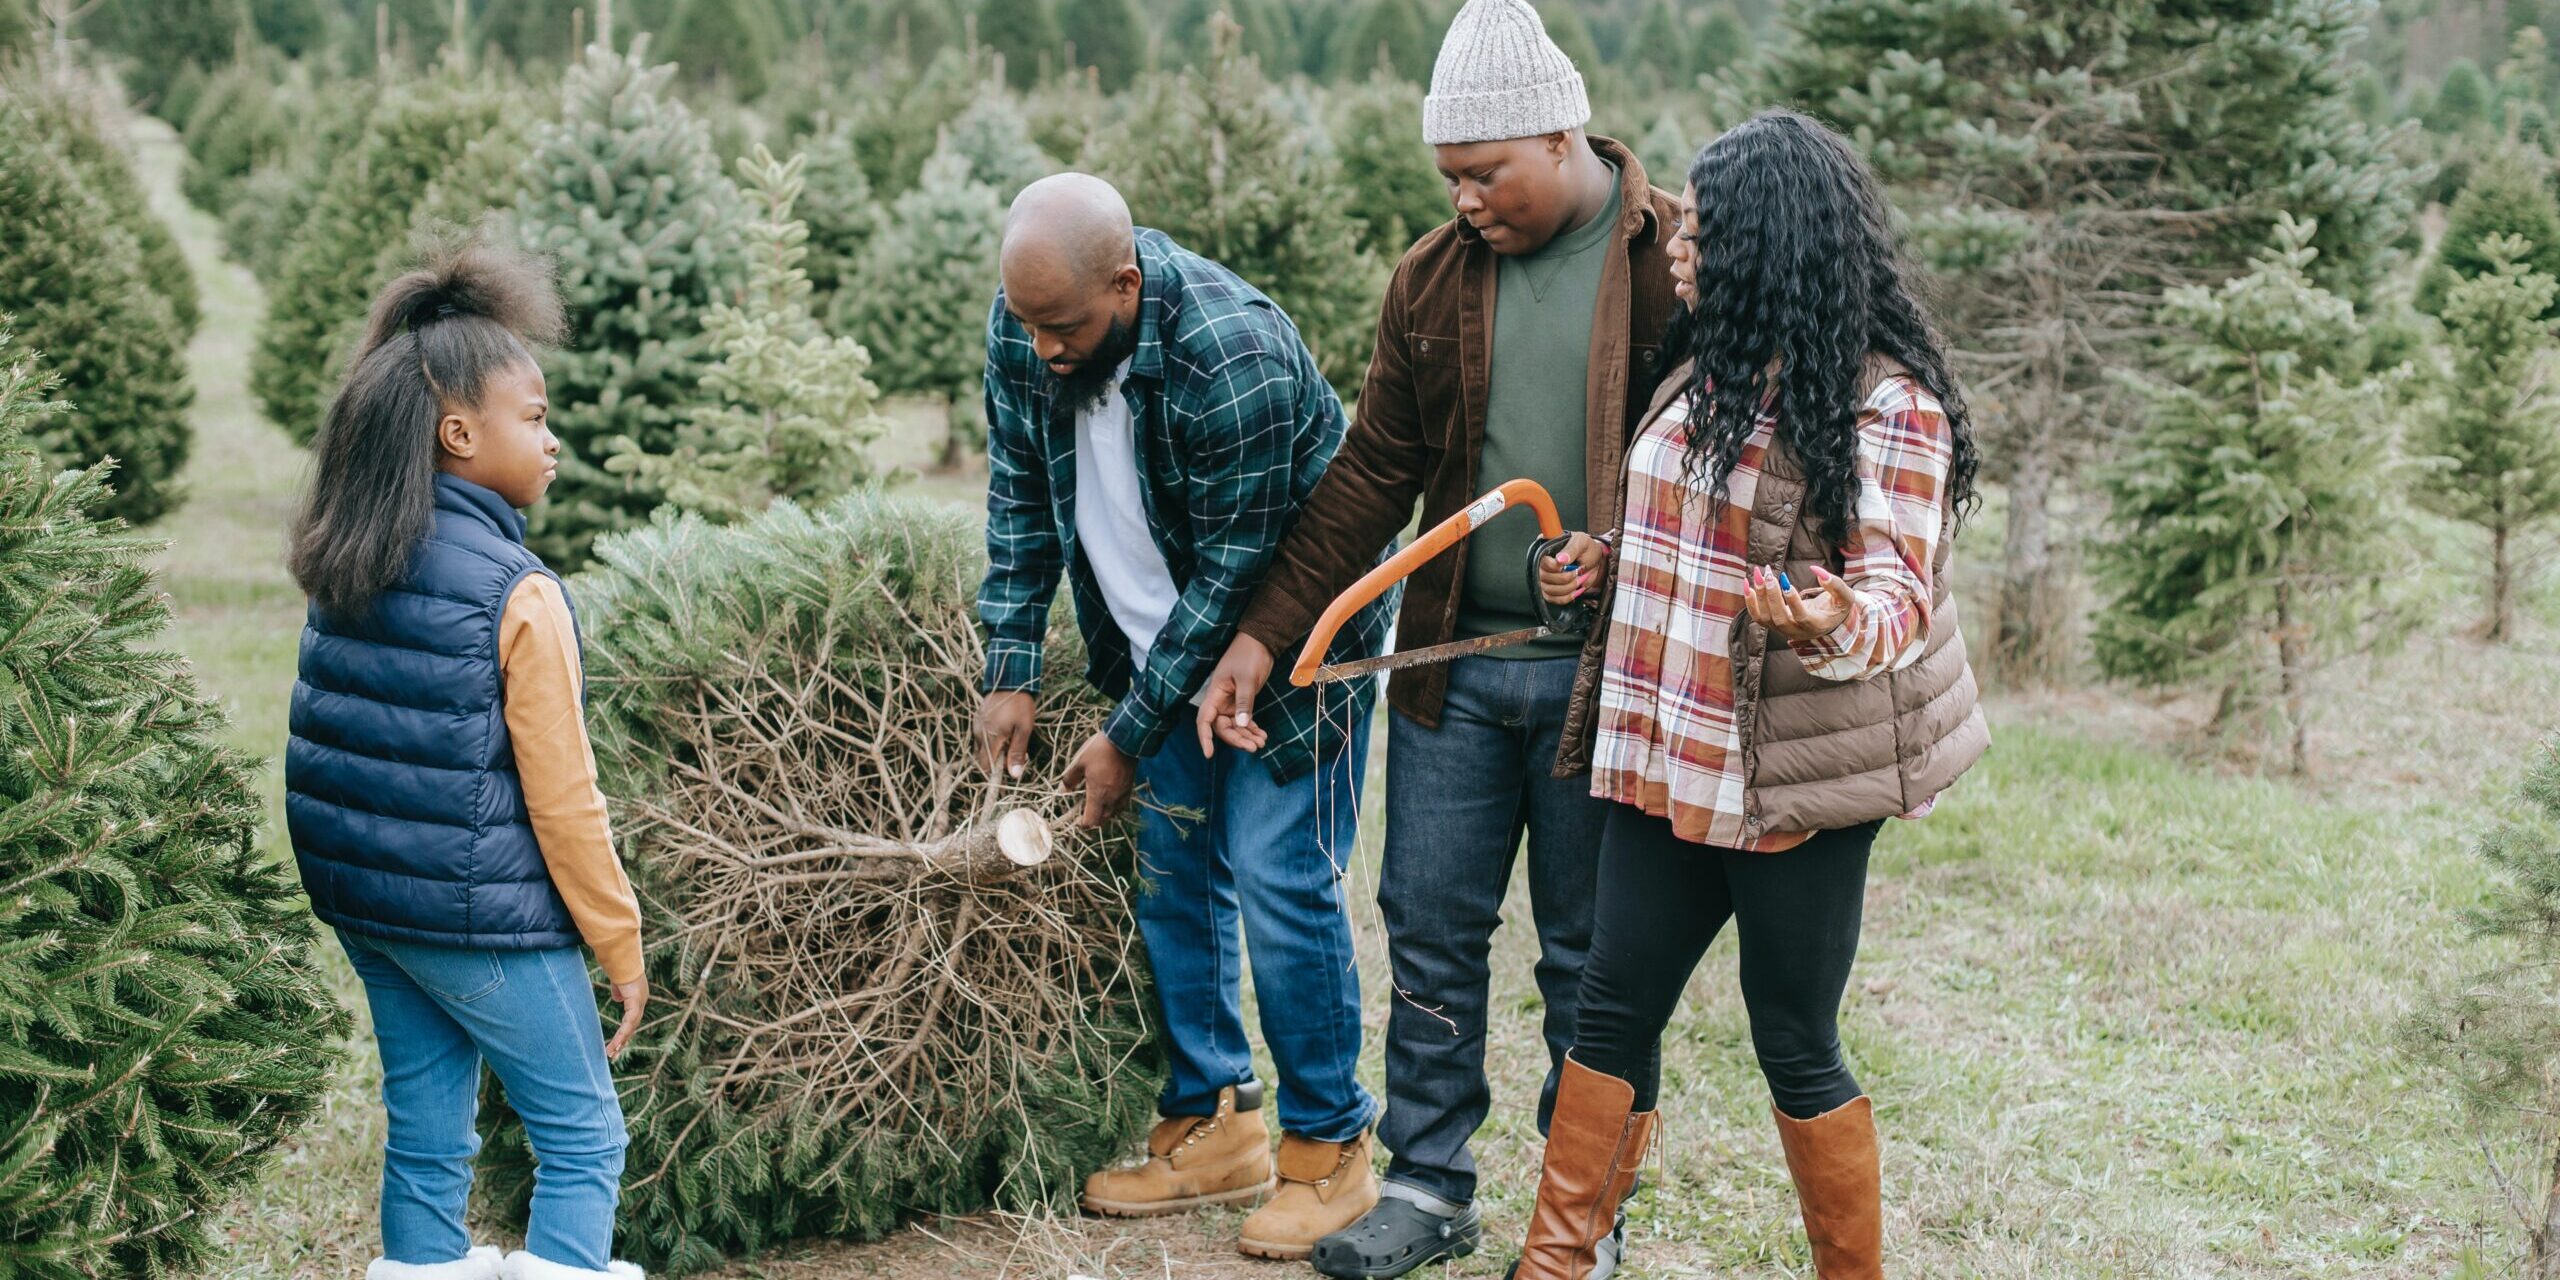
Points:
(1833, 1160)
(1594, 1146)
(1192, 1162)
(1324, 1187)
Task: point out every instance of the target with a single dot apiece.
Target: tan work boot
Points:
(1192, 1162)
(1324, 1187)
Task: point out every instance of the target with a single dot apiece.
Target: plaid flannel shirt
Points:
(1233, 427)
(1667, 741)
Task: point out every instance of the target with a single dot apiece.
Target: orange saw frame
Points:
(1572, 619)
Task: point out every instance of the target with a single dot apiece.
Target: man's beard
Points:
(1083, 389)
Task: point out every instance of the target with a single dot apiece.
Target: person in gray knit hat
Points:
(1515, 341)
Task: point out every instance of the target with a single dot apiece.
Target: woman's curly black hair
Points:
(1798, 275)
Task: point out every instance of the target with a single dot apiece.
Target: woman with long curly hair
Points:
(1782, 670)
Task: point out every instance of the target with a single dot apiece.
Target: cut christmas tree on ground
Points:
(883, 985)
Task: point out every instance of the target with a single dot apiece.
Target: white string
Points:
(1328, 796)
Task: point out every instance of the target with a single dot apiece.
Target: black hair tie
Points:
(443, 311)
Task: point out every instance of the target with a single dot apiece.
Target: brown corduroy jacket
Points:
(1418, 430)
(1819, 754)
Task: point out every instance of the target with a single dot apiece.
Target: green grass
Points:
(2123, 1013)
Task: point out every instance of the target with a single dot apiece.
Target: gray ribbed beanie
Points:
(1499, 76)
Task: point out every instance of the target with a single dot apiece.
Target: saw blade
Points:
(1332, 671)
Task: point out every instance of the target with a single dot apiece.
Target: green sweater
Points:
(1535, 420)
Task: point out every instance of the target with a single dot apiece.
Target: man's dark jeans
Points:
(1458, 799)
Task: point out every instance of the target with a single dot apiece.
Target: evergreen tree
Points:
(1394, 33)
(67, 115)
(1210, 156)
(1316, 29)
(17, 26)
(802, 86)
(410, 33)
(1662, 46)
(2523, 80)
(159, 39)
(262, 224)
(916, 31)
(1668, 149)
(2417, 101)
(73, 277)
(624, 192)
(2461, 101)
(1108, 36)
(995, 137)
(360, 221)
(2371, 98)
(533, 32)
(734, 41)
(899, 119)
(236, 124)
(1064, 112)
(921, 303)
(1025, 33)
(1270, 34)
(167, 1022)
(800, 18)
(836, 204)
(2254, 515)
(292, 27)
(2492, 422)
(2508, 195)
(1392, 175)
(791, 415)
(2058, 163)
(291, 140)
(1563, 19)
(2496, 1030)
(840, 647)
(841, 24)
(467, 190)
(1722, 42)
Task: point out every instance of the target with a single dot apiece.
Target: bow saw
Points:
(1573, 618)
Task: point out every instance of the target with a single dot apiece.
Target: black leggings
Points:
(1662, 899)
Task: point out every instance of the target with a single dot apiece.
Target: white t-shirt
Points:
(1111, 522)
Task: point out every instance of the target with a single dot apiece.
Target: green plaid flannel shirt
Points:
(1234, 426)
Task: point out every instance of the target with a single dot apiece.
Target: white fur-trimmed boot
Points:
(479, 1264)
(524, 1266)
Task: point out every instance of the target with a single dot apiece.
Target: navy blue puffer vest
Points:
(407, 819)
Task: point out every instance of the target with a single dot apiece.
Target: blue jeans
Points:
(437, 1012)
(1459, 798)
(1269, 856)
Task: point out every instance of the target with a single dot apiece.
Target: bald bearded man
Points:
(1153, 425)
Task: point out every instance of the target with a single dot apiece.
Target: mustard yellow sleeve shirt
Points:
(538, 656)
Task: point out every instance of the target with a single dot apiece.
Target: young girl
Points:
(441, 793)
(1782, 672)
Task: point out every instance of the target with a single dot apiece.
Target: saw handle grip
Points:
(1573, 617)
(1440, 537)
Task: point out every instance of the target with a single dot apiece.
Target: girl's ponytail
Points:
(433, 340)
(470, 278)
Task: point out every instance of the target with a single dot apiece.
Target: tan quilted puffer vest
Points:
(1821, 754)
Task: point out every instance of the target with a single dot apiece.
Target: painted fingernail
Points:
(1784, 585)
